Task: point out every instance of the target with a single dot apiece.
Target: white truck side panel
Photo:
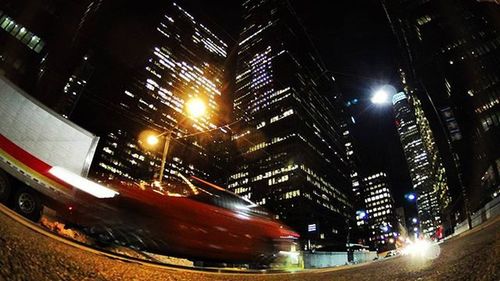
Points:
(44, 133)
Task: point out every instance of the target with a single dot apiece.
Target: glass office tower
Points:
(291, 153)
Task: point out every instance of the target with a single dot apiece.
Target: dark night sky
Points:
(356, 43)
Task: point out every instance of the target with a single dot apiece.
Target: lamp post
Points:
(153, 140)
(195, 108)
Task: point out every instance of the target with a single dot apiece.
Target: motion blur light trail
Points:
(83, 184)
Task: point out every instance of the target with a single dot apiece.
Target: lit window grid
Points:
(174, 81)
(21, 33)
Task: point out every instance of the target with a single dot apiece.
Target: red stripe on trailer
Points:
(30, 161)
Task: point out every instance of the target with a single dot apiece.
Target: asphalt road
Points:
(28, 255)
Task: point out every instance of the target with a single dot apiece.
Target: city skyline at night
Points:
(249, 139)
(259, 71)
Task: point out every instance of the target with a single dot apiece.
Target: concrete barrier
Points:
(331, 259)
(490, 210)
(361, 257)
(324, 259)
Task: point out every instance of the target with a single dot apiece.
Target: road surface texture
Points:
(28, 255)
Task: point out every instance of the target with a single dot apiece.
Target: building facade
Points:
(361, 232)
(36, 43)
(425, 171)
(185, 60)
(380, 212)
(451, 53)
(290, 150)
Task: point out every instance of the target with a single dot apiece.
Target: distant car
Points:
(391, 253)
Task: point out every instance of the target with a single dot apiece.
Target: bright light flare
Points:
(380, 97)
(196, 108)
(152, 140)
(422, 249)
(82, 184)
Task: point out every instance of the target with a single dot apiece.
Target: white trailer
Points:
(33, 139)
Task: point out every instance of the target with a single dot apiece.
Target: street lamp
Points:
(411, 197)
(195, 108)
(383, 95)
(380, 97)
(152, 140)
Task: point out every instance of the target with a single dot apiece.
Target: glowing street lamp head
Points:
(196, 108)
(411, 197)
(380, 97)
(152, 140)
(383, 95)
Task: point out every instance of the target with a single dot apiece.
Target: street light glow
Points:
(383, 95)
(152, 140)
(380, 97)
(196, 108)
(410, 196)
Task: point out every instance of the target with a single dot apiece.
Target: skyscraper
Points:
(360, 231)
(423, 165)
(380, 212)
(451, 55)
(36, 43)
(291, 154)
(185, 61)
(138, 75)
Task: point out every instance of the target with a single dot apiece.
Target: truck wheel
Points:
(5, 187)
(27, 203)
